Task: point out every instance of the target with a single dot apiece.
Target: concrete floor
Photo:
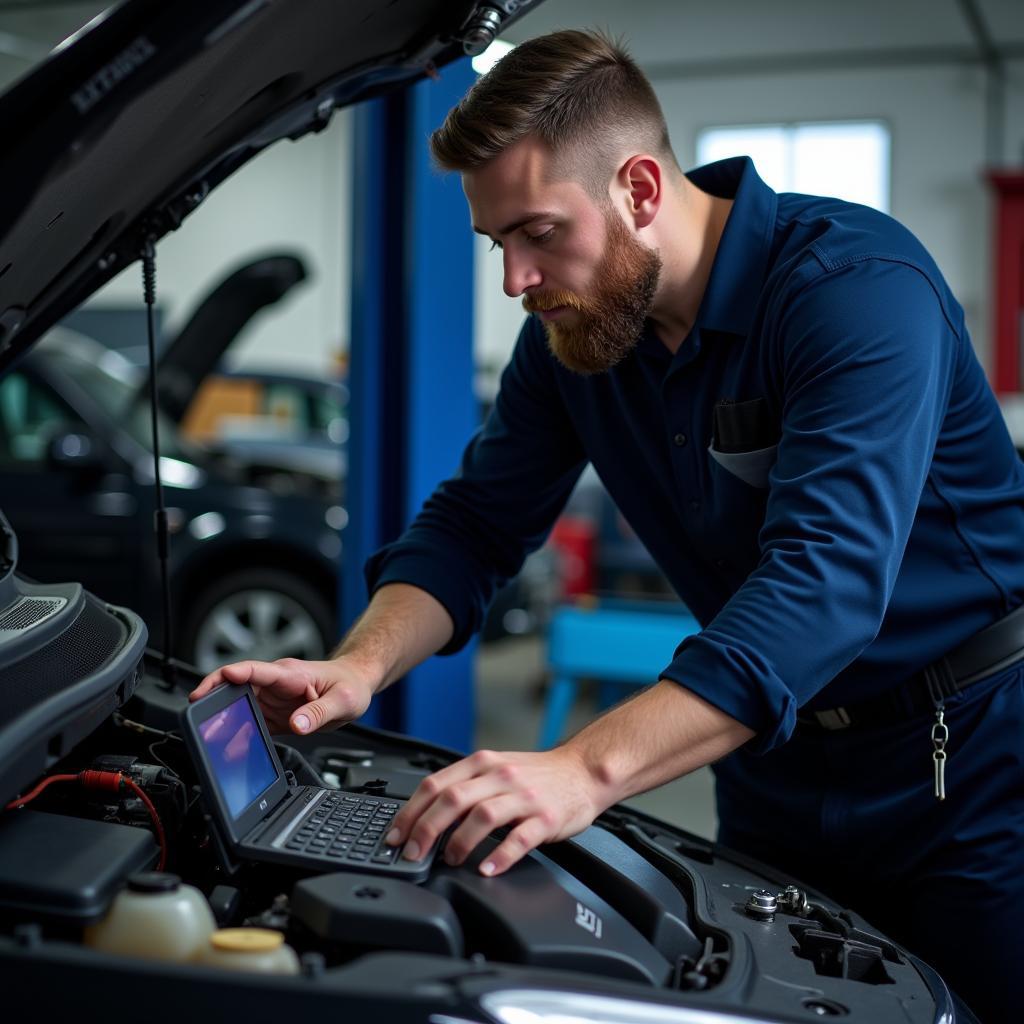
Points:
(509, 694)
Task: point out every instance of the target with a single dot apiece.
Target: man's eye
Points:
(542, 238)
(494, 245)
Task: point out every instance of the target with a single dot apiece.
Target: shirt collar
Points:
(741, 261)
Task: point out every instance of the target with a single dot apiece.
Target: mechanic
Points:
(780, 395)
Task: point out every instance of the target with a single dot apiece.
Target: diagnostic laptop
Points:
(261, 817)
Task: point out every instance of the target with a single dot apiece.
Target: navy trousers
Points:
(853, 813)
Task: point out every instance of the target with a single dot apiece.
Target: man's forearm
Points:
(402, 626)
(664, 732)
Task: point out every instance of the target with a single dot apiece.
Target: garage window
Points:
(846, 159)
(483, 62)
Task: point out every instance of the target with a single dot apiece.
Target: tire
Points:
(263, 614)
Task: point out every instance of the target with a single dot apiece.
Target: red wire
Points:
(109, 782)
(157, 825)
(22, 800)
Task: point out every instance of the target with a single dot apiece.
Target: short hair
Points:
(578, 92)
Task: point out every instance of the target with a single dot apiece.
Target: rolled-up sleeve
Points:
(864, 356)
(516, 474)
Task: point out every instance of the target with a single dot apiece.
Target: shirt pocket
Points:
(751, 467)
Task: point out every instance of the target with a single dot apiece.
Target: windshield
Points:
(119, 388)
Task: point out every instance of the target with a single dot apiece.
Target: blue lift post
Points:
(411, 373)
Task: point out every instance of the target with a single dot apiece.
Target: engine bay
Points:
(630, 908)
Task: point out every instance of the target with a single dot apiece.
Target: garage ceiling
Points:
(685, 31)
(675, 36)
(665, 32)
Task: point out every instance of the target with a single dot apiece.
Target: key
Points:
(940, 737)
(940, 774)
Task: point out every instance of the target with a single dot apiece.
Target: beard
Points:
(609, 321)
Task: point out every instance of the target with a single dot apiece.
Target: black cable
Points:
(294, 759)
(122, 722)
(156, 757)
(160, 515)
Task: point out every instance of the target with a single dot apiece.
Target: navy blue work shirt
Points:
(884, 528)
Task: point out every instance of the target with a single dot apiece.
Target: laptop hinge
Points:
(293, 802)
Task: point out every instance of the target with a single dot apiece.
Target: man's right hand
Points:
(299, 696)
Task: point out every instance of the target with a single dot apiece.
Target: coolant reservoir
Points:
(156, 917)
(250, 949)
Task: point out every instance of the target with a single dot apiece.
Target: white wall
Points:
(1015, 112)
(937, 146)
(293, 197)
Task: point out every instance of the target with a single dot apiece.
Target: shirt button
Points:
(720, 563)
(694, 506)
(679, 440)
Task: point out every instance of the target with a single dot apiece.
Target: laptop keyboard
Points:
(347, 829)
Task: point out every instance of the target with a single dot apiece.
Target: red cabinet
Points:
(1008, 268)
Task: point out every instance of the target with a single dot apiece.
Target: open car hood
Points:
(125, 128)
(217, 321)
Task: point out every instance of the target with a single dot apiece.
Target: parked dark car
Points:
(293, 432)
(291, 422)
(253, 554)
(290, 445)
(107, 146)
(288, 429)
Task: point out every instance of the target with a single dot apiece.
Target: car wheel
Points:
(263, 614)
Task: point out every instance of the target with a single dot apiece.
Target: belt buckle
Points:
(833, 719)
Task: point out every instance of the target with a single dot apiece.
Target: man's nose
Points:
(520, 274)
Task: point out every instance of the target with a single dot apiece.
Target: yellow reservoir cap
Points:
(246, 940)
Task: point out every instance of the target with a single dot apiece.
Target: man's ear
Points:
(640, 177)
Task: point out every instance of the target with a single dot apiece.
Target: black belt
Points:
(996, 647)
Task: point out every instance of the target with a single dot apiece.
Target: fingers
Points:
(537, 824)
(481, 822)
(259, 673)
(452, 803)
(516, 845)
(429, 789)
(339, 701)
(485, 792)
(208, 684)
(312, 716)
(297, 696)
(278, 705)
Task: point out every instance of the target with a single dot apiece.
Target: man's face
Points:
(572, 259)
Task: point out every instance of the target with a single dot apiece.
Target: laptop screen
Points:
(237, 755)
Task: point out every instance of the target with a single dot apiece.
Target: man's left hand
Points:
(545, 796)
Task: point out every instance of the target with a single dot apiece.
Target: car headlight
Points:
(539, 1006)
(208, 525)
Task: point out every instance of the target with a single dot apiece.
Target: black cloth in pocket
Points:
(744, 439)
